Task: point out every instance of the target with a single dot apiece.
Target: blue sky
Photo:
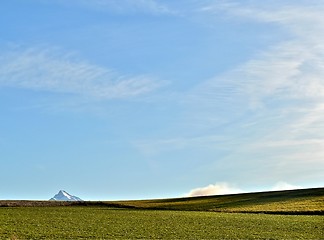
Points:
(135, 99)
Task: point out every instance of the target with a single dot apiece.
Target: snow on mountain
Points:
(64, 196)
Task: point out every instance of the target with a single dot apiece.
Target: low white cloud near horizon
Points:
(224, 188)
(284, 186)
(214, 189)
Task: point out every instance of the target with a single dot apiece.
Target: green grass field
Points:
(107, 223)
(294, 214)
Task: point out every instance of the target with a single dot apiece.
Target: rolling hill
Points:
(302, 201)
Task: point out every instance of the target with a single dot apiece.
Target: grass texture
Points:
(108, 223)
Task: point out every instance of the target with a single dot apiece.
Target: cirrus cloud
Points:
(53, 71)
(117, 6)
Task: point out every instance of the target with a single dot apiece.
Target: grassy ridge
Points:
(303, 201)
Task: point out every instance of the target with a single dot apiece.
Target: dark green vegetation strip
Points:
(109, 223)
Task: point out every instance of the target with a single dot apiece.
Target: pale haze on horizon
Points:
(136, 99)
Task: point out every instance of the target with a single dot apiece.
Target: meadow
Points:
(274, 215)
(108, 223)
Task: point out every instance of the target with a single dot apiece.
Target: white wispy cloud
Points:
(118, 6)
(289, 70)
(55, 71)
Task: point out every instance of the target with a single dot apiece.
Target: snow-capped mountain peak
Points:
(65, 196)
